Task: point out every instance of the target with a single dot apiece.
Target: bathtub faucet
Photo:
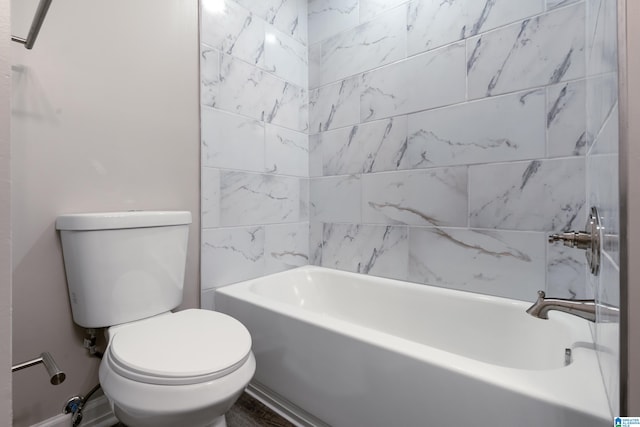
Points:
(582, 308)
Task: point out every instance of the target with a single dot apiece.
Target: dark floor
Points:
(248, 412)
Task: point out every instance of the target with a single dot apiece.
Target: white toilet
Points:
(125, 272)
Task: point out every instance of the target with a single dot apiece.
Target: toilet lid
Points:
(187, 347)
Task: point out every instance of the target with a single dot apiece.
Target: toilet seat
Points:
(187, 347)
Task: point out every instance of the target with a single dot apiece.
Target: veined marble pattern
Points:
(286, 151)
(364, 47)
(230, 255)
(434, 23)
(329, 17)
(232, 141)
(552, 4)
(422, 197)
(286, 246)
(414, 84)
(335, 105)
(566, 119)
(566, 273)
(209, 75)
(539, 51)
(210, 193)
(282, 14)
(233, 30)
(369, 9)
(369, 147)
(249, 91)
(501, 263)
(601, 45)
(286, 58)
(335, 199)
(377, 250)
(540, 195)
(249, 198)
(491, 130)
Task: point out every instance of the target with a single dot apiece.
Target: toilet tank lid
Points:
(117, 220)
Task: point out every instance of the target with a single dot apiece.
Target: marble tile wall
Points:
(255, 143)
(447, 139)
(602, 179)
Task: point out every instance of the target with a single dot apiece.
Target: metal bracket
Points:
(38, 19)
(590, 240)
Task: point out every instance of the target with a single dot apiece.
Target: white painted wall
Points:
(104, 117)
(5, 218)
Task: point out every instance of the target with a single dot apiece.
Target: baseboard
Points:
(97, 413)
(283, 407)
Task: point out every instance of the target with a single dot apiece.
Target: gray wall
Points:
(5, 217)
(447, 140)
(104, 118)
(254, 140)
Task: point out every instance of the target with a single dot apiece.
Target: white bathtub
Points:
(356, 350)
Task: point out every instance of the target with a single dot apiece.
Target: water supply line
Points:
(56, 376)
(75, 405)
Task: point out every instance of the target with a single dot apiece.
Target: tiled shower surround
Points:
(431, 141)
(447, 139)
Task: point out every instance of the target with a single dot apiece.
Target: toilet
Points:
(125, 273)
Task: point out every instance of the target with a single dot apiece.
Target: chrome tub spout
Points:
(585, 309)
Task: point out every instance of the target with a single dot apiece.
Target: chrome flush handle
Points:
(588, 240)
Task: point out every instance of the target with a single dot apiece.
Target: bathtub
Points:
(345, 349)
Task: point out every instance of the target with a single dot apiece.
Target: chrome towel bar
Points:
(56, 376)
(38, 19)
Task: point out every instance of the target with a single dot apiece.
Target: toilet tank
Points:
(123, 266)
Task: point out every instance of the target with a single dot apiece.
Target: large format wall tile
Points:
(434, 23)
(232, 141)
(210, 194)
(566, 119)
(601, 30)
(289, 16)
(364, 47)
(509, 264)
(369, 147)
(335, 199)
(286, 151)
(421, 197)
(209, 75)
(496, 129)
(286, 246)
(286, 58)
(329, 17)
(252, 92)
(249, 198)
(231, 255)
(335, 105)
(377, 250)
(566, 273)
(233, 30)
(539, 51)
(415, 84)
(544, 195)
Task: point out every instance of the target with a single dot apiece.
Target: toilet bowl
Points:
(125, 273)
(178, 369)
